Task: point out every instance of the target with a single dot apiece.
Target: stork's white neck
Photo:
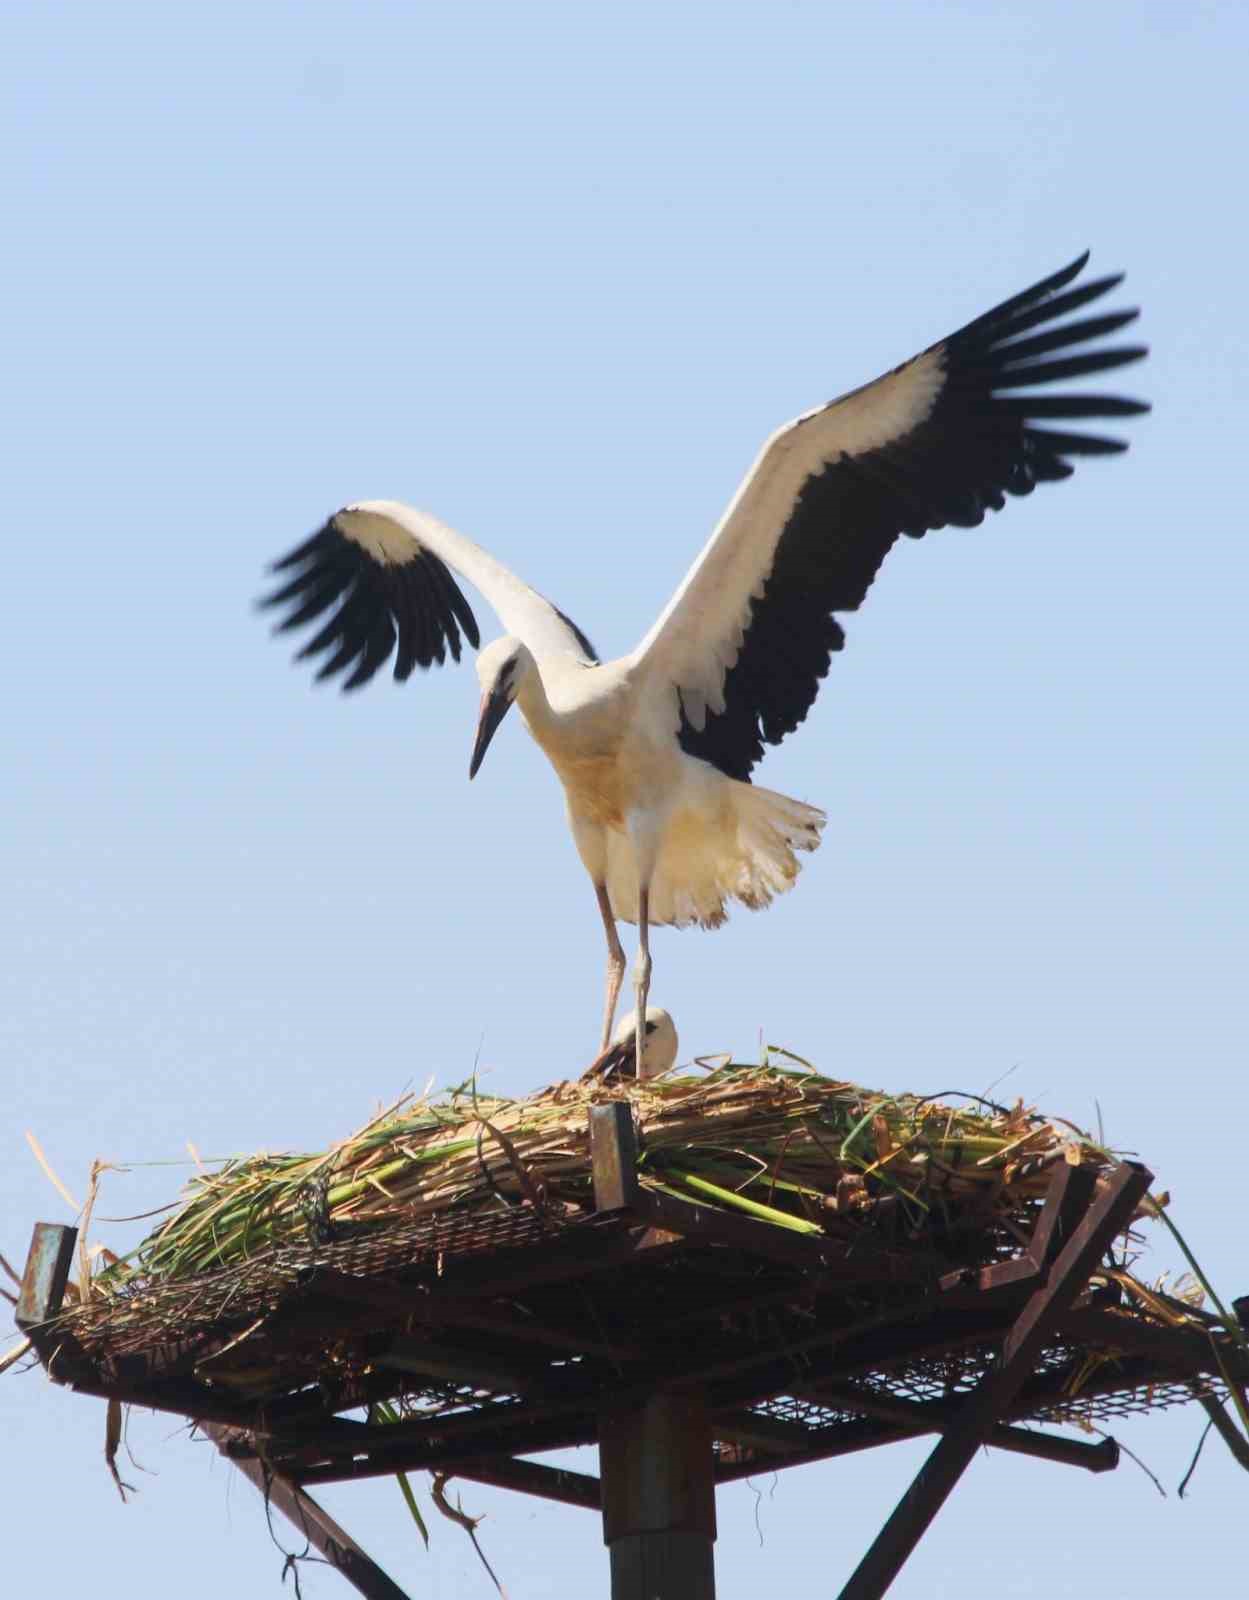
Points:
(531, 697)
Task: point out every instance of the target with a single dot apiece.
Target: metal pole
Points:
(659, 1501)
(656, 1463)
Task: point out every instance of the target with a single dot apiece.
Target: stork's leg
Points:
(642, 973)
(615, 963)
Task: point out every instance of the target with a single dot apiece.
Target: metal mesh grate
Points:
(548, 1323)
(1087, 1380)
(147, 1316)
(1131, 1402)
(802, 1413)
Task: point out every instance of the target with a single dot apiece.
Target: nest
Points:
(776, 1141)
(449, 1260)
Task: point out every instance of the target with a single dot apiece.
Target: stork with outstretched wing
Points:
(655, 749)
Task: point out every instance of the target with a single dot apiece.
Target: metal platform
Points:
(693, 1346)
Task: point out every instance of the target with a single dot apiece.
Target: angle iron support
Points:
(1087, 1241)
(1225, 1428)
(1070, 1195)
(1066, 1200)
(313, 1522)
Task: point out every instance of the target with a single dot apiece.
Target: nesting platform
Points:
(694, 1346)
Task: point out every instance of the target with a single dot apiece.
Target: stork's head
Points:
(502, 668)
(659, 1047)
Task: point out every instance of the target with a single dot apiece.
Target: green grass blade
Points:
(383, 1411)
(754, 1208)
(1230, 1322)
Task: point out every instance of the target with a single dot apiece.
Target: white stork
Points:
(655, 749)
(659, 1045)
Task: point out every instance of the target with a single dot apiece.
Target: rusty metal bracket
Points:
(613, 1156)
(47, 1272)
(43, 1288)
(1068, 1196)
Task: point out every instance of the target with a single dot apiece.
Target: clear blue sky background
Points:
(554, 271)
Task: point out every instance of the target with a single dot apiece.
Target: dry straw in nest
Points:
(777, 1141)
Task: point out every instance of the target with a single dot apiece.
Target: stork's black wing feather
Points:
(591, 654)
(976, 445)
(413, 606)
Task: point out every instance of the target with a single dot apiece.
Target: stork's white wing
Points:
(381, 571)
(748, 636)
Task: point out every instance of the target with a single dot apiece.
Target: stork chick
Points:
(620, 1059)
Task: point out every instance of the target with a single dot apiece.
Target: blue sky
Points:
(554, 272)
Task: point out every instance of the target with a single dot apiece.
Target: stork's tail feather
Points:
(746, 851)
(770, 829)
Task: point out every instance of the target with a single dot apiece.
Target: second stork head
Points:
(502, 668)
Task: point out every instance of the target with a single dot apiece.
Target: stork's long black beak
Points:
(494, 707)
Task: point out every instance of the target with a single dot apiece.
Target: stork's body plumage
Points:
(655, 750)
(642, 810)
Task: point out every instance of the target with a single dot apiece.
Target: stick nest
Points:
(776, 1141)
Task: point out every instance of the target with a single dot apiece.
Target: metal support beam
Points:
(1086, 1243)
(659, 1507)
(442, 1310)
(42, 1291)
(938, 1416)
(404, 1353)
(757, 1430)
(864, 1433)
(575, 1254)
(1226, 1428)
(1187, 1351)
(531, 1477)
(445, 1452)
(313, 1522)
(1065, 1202)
